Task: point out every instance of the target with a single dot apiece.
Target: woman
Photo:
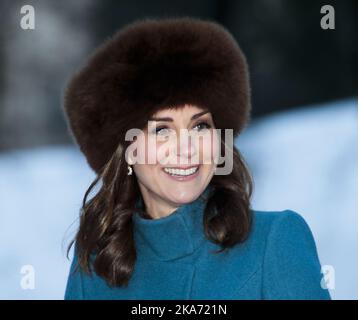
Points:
(172, 217)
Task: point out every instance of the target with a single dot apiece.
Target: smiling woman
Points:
(176, 228)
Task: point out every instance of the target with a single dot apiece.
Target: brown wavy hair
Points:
(104, 241)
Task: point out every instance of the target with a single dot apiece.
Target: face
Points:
(175, 158)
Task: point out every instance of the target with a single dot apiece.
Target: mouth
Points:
(182, 173)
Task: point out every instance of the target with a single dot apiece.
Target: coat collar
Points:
(174, 236)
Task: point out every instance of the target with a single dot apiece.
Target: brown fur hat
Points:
(150, 65)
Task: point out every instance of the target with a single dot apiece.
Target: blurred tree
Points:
(293, 61)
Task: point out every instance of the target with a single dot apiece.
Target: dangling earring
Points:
(130, 170)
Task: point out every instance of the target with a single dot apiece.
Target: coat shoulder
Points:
(269, 223)
(270, 230)
(270, 217)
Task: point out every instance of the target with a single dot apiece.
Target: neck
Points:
(155, 206)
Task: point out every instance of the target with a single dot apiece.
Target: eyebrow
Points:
(195, 116)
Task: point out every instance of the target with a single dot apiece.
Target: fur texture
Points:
(150, 65)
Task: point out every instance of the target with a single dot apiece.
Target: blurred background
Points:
(301, 144)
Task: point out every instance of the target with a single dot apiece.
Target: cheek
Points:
(165, 150)
(153, 150)
(161, 150)
(146, 151)
(209, 148)
(145, 173)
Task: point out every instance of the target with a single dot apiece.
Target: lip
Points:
(184, 167)
(183, 178)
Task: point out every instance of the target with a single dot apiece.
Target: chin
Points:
(186, 196)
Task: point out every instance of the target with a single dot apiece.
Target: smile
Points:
(181, 172)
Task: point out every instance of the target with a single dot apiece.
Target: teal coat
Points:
(174, 261)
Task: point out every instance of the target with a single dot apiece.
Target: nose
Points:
(186, 149)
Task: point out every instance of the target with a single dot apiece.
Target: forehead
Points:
(186, 110)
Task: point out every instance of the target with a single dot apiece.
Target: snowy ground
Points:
(304, 160)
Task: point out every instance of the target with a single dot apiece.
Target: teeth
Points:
(181, 172)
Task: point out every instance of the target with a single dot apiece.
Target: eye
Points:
(161, 130)
(203, 125)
